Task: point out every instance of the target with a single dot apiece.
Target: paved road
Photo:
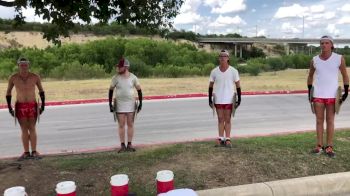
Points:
(90, 126)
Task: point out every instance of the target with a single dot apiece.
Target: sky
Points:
(269, 18)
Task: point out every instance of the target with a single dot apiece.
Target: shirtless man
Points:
(326, 66)
(124, 82)
(26, 106)
(226, 80)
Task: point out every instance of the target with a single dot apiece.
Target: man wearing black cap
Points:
(26, 105)
(326, 67)
(124, 82)
(226, 80)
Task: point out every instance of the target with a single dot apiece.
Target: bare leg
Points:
(221, 122)
(227, 119)
(319, 110)
(25, 134)
(121, 126)
(330, 113)
(130, 124)
(32, 134)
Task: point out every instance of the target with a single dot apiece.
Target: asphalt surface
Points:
(91, 126)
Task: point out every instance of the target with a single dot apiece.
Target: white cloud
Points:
(190, 6)
(253, 10)
(332, 29)
(262, 32)
(344, 20)
(345, 8)
(187, 18)
(289, 28)
(29, 13)
(227, 6)
(223, 21)
(317, 8)
(291, 12)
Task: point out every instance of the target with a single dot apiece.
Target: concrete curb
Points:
(329, 184)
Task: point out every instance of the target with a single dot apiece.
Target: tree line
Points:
(149, 58)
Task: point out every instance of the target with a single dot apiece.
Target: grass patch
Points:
(196, 165)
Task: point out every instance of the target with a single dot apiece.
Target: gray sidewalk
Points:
(337, 184)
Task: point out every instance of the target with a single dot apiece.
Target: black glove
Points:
(345, 95)
(210, 95)
(309, 87)
(139, 108)
(8, 100)
(238, 102)
(42, 97)
(110, 96)
(139, 93)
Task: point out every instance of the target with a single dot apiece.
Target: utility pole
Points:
(303, 25)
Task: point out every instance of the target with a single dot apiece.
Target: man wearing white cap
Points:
(325, 66)
(124, 82)
(226, 80)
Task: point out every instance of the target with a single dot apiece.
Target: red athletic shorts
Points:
(26, 110)
(326, 101)
(223, 106)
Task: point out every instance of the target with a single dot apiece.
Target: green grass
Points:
(196, 165)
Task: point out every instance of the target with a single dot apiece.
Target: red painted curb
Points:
(155, 97)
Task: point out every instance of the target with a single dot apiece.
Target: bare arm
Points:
(10, 86)
(39, 85)
(344, 72)
(310, 78)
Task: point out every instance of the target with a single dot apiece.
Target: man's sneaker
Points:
(36, 155)
(228, 143)
(122, 149)
(24, 156)
(130, 148)
(329, 151)
(317, 150)
(219, 143)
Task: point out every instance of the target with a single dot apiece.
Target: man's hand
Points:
(139, 108)
(11, 112)
(346, 91)
(8, 100)
(309, 87)
(210, 96)
(111, 109)
(238, 102)
(42, 108)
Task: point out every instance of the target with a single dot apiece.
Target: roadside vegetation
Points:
(196, 165)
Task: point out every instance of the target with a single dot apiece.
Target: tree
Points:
(150, 14)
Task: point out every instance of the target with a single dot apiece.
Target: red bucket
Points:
(66, 188)
(119, 185)
(165, 181)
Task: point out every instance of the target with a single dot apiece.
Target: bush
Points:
(75, 70)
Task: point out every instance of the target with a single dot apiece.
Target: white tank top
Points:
(326, 82)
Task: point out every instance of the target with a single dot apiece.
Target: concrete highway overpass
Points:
(237, 44)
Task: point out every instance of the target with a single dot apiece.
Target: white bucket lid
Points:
(179, 192)
(165, 176)
(119, 180)
(15, 191)
(65, 187)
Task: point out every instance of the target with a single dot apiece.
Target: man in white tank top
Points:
(226, 80)
(124, 82)
(325, 67)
